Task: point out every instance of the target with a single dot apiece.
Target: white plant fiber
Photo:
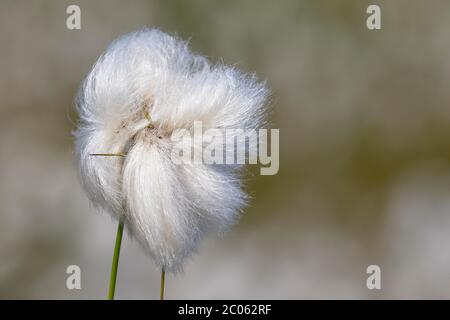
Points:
(146, 85)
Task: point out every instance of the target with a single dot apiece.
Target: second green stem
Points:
(115, 262)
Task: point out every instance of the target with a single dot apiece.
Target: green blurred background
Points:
(364, 178)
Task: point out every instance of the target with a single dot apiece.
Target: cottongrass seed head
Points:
(146, 85)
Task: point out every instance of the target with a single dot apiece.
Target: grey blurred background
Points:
(364, 178)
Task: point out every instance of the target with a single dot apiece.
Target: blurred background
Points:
(364, 178)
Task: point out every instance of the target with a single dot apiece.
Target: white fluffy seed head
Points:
(146, 85)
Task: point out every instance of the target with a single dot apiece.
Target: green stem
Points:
(163, 276)
(115, 262)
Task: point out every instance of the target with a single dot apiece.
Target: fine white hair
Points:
(146, 85)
